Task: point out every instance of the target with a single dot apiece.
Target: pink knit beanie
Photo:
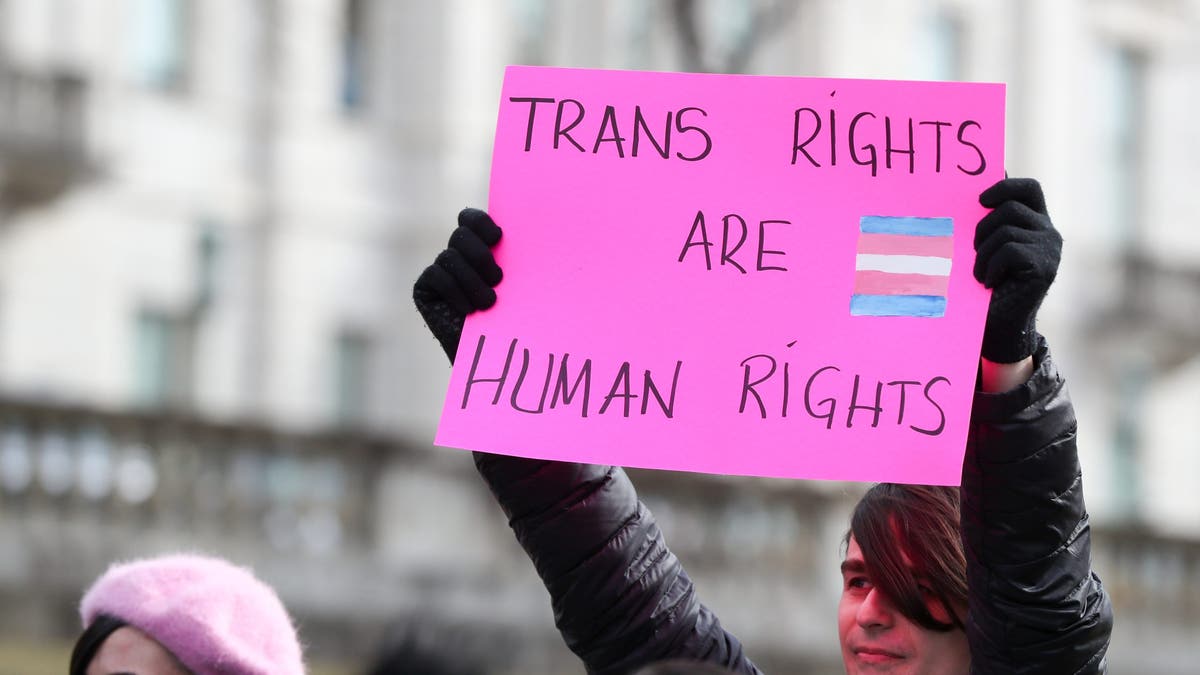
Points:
(215, 618)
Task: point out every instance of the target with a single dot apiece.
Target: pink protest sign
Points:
(732, 274)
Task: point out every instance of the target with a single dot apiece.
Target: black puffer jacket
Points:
(622, 599)
(1035, 604)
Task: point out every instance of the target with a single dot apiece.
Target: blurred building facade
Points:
(211, 214)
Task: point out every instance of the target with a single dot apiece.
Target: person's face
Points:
(129, 651)
(877, 638)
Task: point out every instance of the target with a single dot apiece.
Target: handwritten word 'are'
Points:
(734, 233)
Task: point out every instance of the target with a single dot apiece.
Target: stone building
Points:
(211, 214)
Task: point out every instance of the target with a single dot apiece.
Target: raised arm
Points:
(621, 599)
(1035, 605)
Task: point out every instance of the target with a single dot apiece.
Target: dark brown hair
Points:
(921, 522)
(89, 642)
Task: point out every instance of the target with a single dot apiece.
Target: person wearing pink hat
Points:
(184, 615)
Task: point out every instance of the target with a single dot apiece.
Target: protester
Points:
(993, 578)
(184, 615)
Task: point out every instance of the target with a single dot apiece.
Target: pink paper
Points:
(630, 347)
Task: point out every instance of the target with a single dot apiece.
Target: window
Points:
(1131, 387)
(732, 27)
(633, 19)
(162, 359)
(355, 50)
(152, 359)
(352, 355)
(160, 43)
(531, 18)
(1119, 114)
(940, 52)
(207, 255)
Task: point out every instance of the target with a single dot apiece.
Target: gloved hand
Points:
(1017, 251)
(460, 280)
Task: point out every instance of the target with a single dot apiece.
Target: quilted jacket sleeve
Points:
(621, 599)
(1035, 605)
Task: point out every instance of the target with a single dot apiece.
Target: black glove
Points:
(460, 280)
(1017, 251)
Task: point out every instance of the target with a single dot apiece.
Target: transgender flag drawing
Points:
(902, 267)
